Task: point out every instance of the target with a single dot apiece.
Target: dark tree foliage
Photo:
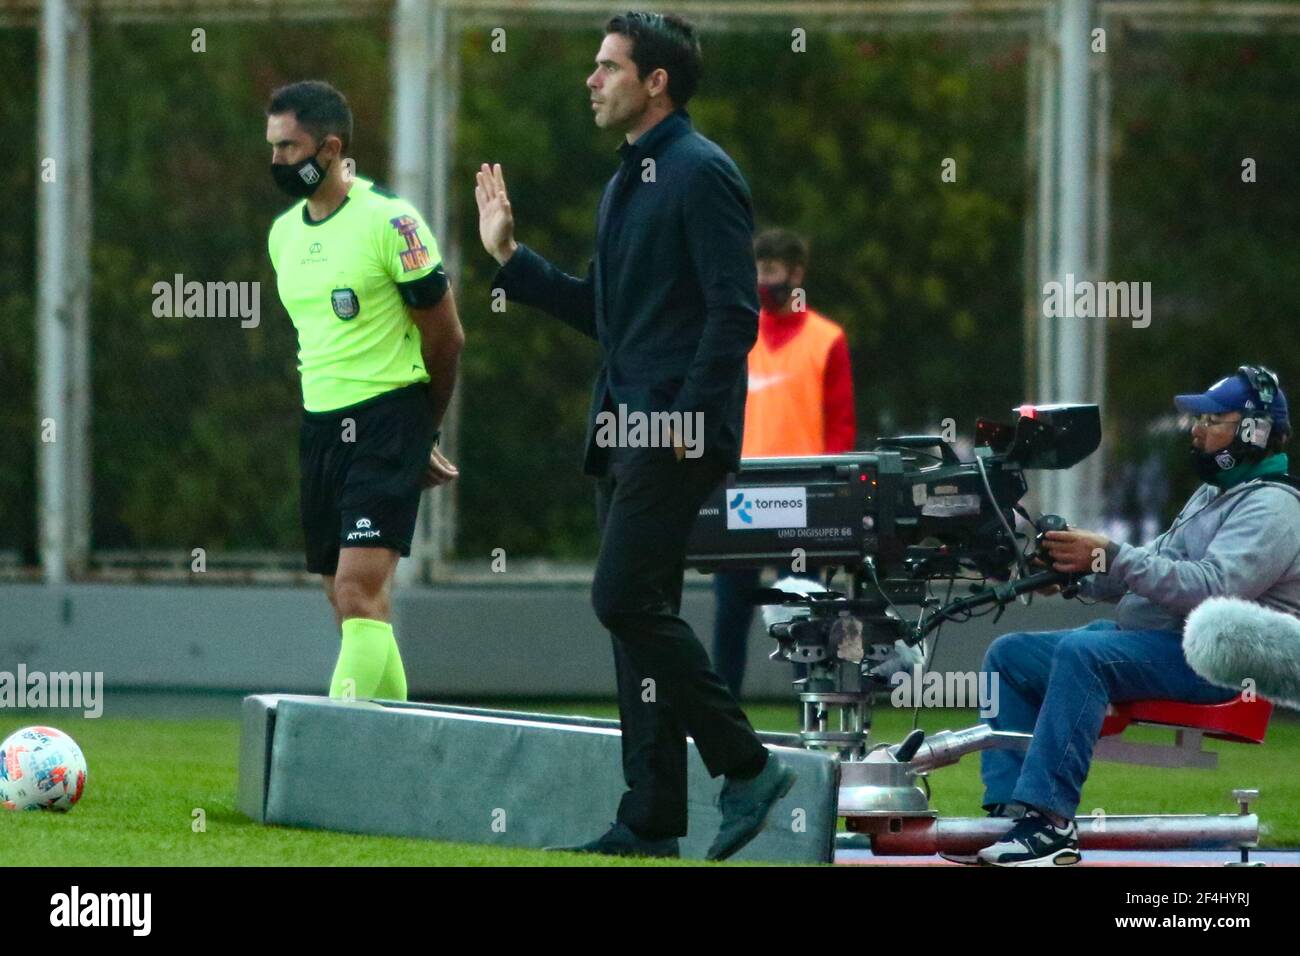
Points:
(195, 420)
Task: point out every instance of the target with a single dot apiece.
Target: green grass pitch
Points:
(148, 777)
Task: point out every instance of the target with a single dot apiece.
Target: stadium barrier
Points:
(487, 776)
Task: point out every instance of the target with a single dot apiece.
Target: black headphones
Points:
(1255, 428)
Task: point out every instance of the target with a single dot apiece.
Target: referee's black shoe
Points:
(621, 840)
(746, 805)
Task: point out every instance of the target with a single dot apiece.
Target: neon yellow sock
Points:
(362, 658)
(392, 685)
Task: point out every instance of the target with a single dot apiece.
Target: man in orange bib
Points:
(800, 402)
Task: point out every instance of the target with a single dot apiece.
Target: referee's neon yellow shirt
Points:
(338, 281)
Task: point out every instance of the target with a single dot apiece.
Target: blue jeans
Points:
(1057, 684)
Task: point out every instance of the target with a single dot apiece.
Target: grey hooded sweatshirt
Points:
(1243, 542)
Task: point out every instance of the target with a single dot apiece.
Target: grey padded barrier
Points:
(483, 776)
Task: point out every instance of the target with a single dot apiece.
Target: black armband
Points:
(425, 292)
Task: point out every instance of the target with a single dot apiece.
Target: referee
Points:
(378, 346)
(672, 299)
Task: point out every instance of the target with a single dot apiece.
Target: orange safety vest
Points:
(784, 413)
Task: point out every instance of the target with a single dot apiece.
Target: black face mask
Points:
(774, 295)
(1209, 466)
(299, 180)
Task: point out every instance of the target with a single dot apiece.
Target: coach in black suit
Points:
(671, 296)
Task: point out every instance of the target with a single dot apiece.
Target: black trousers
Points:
(667, 688)
(733, 619)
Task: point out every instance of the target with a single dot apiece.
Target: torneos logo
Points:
(767, 508)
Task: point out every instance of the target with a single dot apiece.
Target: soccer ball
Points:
(41, 769)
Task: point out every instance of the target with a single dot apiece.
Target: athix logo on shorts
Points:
(767, 508)
(363, 530)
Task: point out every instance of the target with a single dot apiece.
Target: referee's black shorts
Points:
(362, 468)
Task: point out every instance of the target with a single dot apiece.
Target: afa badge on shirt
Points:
(345, 303)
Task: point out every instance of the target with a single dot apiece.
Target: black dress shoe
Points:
(619, 840)
(746, 805)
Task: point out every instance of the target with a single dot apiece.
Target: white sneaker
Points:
(1034, 841)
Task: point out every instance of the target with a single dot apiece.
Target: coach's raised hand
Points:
(496, 223)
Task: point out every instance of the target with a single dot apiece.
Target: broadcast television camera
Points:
(895, 520)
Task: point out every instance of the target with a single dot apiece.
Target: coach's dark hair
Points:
(782, 245)
(662, 40)
(319, 108)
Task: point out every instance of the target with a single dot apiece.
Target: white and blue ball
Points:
(41, 769)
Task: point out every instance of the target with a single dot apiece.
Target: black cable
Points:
(875, 579)
(934, 647)
(870, 562)
(1002, 519)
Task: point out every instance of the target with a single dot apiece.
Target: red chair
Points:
(1239, 720)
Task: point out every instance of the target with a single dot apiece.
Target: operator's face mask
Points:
(300, 179)
(1210, 464)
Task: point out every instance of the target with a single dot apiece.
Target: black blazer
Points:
(672, 292)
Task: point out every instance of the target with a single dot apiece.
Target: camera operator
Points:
(1238, 536)
(799, 402)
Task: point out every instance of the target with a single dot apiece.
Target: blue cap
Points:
(1233, 394)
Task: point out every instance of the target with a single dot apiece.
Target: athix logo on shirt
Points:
(755, 508)
(363, 531)
(760, 381)
(314, 255)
